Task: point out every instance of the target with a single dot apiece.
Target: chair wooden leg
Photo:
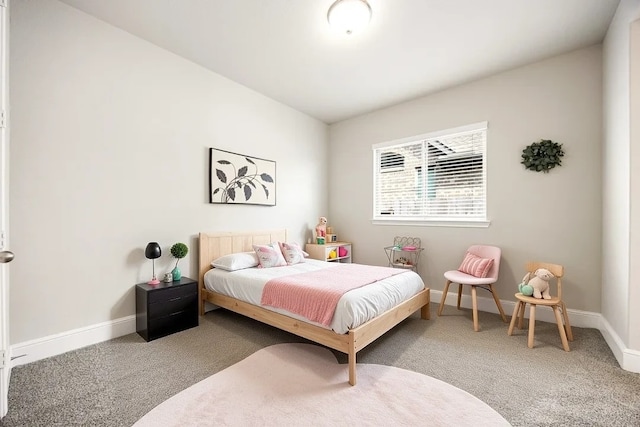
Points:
(567, 325)
(497, 300)
(516, 309)
(474, 302)
(521, 315)
(532, 325)
(563, 335)
(444, 297)
(459, 294)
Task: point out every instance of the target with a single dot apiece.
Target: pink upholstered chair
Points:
(476, 271)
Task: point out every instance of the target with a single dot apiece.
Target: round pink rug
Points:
(303, 384)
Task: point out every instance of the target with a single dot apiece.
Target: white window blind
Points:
(434, 177)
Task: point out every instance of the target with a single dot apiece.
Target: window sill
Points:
(432, 223)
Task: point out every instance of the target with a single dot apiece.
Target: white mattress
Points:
(354, 307)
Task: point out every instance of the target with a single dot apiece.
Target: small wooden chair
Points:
(556, 303)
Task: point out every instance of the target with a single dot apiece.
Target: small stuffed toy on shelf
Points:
(403, 261)
(321, 230)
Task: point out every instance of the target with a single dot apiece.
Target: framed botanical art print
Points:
(240, 179)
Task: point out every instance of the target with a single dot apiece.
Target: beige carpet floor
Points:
(117, 382)
(303, 384)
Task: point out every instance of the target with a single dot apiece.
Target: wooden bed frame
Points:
(214, 245)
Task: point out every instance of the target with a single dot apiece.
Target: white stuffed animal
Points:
(539, 281)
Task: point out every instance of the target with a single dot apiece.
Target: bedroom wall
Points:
(109, 139)
(621, 183)
(634, 96)
(554, 217)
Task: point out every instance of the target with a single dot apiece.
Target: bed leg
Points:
(425, 312)
(352, 359)
(352, 369)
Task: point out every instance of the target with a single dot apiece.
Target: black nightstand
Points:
(166, 308)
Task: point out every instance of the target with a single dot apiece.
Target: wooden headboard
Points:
(217, 244)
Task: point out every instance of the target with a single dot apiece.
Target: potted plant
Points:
(178, 251)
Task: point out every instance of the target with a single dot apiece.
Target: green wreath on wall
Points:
(542, 156)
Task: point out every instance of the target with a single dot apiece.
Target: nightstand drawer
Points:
(167, 325)
(174, 305)
(169, 294)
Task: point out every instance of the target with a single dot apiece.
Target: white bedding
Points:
(354, 307)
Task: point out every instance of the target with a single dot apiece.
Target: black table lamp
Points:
(152, 252)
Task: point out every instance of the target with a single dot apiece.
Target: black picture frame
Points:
(240, 179)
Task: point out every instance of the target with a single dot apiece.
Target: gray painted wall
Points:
(109, 138)
(554, 217)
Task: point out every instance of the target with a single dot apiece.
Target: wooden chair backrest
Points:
(556, 269)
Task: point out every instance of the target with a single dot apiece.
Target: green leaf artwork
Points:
(240, 179)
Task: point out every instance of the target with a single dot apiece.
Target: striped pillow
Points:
(476, 266)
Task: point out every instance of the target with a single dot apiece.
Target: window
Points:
(437, 177)
(391, 162)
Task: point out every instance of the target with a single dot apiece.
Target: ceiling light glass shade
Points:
(349, 16)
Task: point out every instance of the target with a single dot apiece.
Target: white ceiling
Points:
(285, 49)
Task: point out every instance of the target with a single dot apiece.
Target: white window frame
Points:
(426, 220)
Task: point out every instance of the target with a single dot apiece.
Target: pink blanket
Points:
(315, 294)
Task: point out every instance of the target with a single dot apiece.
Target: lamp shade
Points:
(153, 250)
(349, 15)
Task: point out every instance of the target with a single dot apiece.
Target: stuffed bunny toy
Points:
(539, 281)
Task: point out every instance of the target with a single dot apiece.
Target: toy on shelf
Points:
(331, 236)
(321, 230)
(403, 261)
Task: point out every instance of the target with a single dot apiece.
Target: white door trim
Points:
(5, 365)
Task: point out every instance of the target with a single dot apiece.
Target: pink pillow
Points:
(476, 266)
(269, 255)
(293, 253)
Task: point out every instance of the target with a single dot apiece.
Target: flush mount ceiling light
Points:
(349, 16)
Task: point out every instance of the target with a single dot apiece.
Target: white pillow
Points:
(269, 255)
(237, 261)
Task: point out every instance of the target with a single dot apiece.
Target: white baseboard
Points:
(628, 359)
(53, 345)
(579, 318)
